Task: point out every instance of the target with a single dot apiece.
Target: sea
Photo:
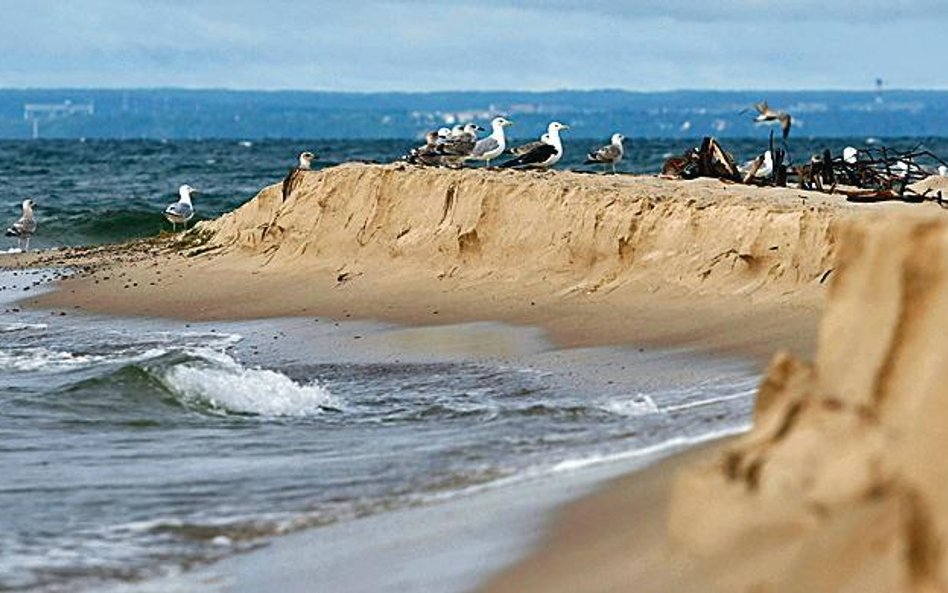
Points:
(134, 449)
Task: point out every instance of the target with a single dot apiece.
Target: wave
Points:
(225, 386)
(43, 359)
(203, 379)
(639, 405)
(21, 327)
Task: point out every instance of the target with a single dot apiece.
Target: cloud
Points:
(489, 44)
(775, 11)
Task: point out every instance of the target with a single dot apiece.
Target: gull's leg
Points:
(27, 247)
(174, 227)
(613, 168)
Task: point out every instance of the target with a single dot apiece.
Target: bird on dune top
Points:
(24, 228)
(610, 154)
(525, 148)
(491, 147)
(542, 155)
(768, 115)
(181, 211)
(294, 178)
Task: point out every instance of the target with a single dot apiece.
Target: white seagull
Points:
(543, 155)
(23, 228)
(181, 211)
(609, 154)
(850, 155)
(491, 147)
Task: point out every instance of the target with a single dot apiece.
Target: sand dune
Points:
(576, 233)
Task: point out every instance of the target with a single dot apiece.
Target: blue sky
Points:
(379, 45)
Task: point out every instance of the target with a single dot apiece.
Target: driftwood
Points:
(870, 175)
(708, 160)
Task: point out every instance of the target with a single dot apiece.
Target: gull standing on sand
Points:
(609, 154)
(768, 115)
(294, 178)
(23, 228)
(427, 154)
(181, 211)
(459, 145)
(543, 155)
(493, 146)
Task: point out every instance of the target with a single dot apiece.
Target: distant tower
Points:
(880, 85)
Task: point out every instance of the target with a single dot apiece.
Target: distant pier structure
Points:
(37, 112)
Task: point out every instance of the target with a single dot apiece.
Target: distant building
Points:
(49, 111)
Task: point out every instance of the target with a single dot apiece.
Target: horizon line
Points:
(473, 91)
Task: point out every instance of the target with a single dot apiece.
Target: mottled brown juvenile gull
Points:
(24, 228)
(610, 154)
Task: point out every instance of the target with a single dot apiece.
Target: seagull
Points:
(461, 141)
(769, 115)
(427, 154)
(459, 145)
(181, 211)
(491, 147)
(942, 171)
(525, 148)
(543, 155)
(850, 155)
(609, 154)
(23, 228)
(294, 178)
(758, 168)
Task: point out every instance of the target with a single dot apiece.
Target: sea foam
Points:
(220, 382)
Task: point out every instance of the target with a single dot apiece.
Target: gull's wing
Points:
(292, 181)
(785, 122)
(484, 146)
(180, 209)
(525, 148)
(609, 153)
(538, 155)
(23, 227)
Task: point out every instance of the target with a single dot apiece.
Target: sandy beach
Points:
(830, 491)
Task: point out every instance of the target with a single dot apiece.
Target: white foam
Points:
(221, 382)
(639, 405)
(45, 359)
(675, 443)
(19, 327)
(710, 401)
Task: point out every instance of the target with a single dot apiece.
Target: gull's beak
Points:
(565, 127)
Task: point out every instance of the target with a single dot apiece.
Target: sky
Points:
(425, 45)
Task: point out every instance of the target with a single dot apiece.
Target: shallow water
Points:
(134, 448)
